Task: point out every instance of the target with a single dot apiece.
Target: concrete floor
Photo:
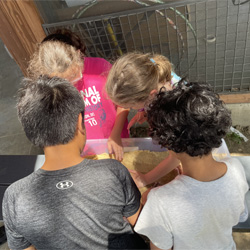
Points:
(12, 137)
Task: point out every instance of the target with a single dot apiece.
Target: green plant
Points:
(234, 137)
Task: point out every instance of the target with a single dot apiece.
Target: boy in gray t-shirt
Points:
(198, 209)
(71, 202)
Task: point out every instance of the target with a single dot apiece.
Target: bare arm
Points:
(114, 141)
(166, 166)
(121, 116)
(153, 247)
(163, 168)
(139, 117)
(132, 219)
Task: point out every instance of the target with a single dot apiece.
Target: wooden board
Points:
(20, 29)
(236, 98)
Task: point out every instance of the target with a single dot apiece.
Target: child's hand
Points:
(138, 178)
(139, 117)
(115, 146)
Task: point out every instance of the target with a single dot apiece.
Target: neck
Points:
(62, 156)
(203, 168)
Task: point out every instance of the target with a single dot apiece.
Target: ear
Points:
(168, 86)
(80, 124)
(153, 93)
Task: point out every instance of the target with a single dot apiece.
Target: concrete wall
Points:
(10, 74)
(240, 113)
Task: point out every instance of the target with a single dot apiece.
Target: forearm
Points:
(166, 166)
(132, 219)
(121, 117)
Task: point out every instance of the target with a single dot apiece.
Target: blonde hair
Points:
(164, 68)
(53, 58)
(133, 76)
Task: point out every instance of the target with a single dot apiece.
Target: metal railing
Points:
(205, 40)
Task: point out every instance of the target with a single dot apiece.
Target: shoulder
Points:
(164, 192)
(18, 187)
(236, 170)
(96, 65)
(179, 183)
(234, 165)
(169, 193)
(109, 165)
(111, 173)
(95, 60)
(116, 167)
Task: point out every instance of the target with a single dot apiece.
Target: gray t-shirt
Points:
(80, 207)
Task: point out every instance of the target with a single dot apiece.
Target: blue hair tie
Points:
(153, 61)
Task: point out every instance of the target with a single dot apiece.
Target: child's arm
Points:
(132, 219)
(166, 166)
(114, 140)
(139, 117)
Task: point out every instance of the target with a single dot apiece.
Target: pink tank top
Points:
(100, 112)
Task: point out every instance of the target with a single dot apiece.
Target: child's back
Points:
(70, 202)
(200, 215)
(198, 209)
(68, 208)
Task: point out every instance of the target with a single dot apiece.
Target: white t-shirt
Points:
(190, 214)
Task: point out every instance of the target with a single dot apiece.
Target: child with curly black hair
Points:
(198, 209)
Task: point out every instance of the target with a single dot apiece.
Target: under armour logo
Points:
(64, 184)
